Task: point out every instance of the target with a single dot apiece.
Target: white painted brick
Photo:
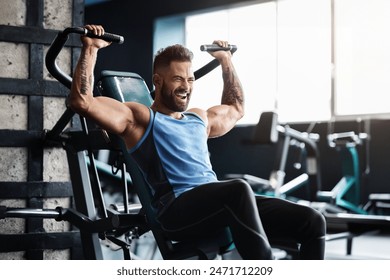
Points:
(56, 254)
(12, 225)
(13, 164)
(53, 108)
(57, 14)
(12, 256)
(13, 12)
(13, 112)
(55, 165)
(14, 60)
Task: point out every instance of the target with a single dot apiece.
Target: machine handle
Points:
(58, 44)
(109, 37)
(213, 63)
(50, 61)
(215, 47)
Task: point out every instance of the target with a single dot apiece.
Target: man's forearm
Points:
(84, 70)
(232, 90)
(86, 78)
(82, 85)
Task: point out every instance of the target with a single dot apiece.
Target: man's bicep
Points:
(219, 120)
(111, 114)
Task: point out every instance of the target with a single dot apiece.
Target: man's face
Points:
(176, 87)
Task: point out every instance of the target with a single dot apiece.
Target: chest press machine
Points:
(119, 224)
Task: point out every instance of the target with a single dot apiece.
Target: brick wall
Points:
(31, 101)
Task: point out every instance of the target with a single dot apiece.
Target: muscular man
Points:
(169, 142)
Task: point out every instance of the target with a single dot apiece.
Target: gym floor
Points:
(370, 246)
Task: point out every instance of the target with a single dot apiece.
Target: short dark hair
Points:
(176, 52)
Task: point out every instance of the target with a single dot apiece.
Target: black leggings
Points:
(251, 218)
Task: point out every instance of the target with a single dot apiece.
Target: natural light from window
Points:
(252, 29)
(283, 57)
(307, 60)
(362, 43)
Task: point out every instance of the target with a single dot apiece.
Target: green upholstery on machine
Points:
(346, 193)
(124, 86)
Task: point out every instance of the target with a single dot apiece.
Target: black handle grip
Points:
(51, 65)
(109, 37)
(215, 47)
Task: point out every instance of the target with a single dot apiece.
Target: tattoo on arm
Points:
(232, 91)
(84, 80)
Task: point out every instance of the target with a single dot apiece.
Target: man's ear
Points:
(157, 80)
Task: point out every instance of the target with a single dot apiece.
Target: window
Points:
(304, 60)
(308, 60)
(252, 28)
(362, 57)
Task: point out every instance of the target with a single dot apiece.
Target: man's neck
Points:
(165, 111)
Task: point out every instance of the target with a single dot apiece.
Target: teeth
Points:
(183, 95)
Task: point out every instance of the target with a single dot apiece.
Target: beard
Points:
(172, 101)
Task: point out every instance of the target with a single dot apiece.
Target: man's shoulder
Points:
(202, 114)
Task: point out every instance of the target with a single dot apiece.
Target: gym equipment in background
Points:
(269, 132)
(346, 194)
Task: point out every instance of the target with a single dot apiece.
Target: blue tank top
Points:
(173, 155)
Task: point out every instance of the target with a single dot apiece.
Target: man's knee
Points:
(317, 223)
(241, 186)
(239, 194)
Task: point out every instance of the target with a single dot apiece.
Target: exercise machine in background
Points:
(341, 206)
(288, 142)
(346, 194)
